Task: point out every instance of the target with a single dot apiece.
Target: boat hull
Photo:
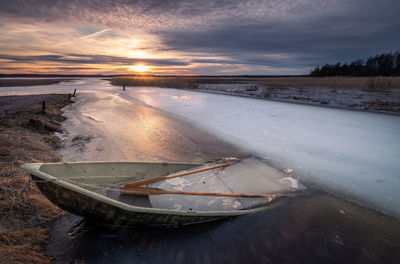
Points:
(63, 185)
(100, 212)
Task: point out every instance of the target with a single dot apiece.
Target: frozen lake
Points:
(352, 154)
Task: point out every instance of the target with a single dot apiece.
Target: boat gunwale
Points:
(34, 168)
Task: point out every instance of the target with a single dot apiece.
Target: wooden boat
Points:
(97, 191)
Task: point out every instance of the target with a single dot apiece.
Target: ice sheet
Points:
(349, 153)
(247, 176)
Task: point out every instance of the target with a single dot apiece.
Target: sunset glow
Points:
(139, 68)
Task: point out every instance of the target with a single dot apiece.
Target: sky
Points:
(225, 37)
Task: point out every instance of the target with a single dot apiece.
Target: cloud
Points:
(226, 35)
(91, 59)
(76, 68)
(157, 15)
(9, 68)
(91, 35)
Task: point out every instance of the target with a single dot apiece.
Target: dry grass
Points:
(24, 211)
(334, 82)
(23, 245)
(371, 83)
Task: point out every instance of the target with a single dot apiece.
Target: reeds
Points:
(334, 82)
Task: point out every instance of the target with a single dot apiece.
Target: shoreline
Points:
(27, 135)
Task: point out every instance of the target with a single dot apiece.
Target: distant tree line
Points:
(385, 64)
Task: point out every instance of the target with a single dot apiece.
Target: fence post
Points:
(74, 93)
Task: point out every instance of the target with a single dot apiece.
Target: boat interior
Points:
(181, 186)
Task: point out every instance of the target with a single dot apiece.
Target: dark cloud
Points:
(353, 34)
(53, 9)
(76, 68)
(9, 68)
(91, 59)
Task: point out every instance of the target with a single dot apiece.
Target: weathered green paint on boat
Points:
(81, 188)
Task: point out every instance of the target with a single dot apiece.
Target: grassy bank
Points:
(27, 136)
(28, 82)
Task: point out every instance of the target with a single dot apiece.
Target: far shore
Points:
(29, 82)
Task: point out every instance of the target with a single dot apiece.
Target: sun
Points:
(139, 68)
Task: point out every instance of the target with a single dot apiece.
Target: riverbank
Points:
(27, 135)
